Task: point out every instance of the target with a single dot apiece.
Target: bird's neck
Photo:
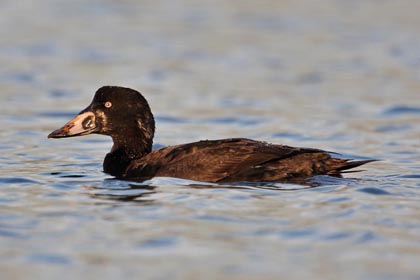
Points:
(124, 151)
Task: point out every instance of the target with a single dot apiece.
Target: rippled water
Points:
(337, 75)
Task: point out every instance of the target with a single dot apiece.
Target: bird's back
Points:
(238, 159)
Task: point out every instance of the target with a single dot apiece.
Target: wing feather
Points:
(212, 160)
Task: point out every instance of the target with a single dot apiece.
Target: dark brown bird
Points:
(125, 115)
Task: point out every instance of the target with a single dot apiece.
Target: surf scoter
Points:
(125, 115)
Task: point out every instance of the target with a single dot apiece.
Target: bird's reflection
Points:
(145, 192)
(119, 190)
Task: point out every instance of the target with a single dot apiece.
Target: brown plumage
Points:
(233, 160)
(124, 115)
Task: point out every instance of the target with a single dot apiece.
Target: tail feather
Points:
(344, 165)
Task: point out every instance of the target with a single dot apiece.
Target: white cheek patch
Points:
(101, 115)
(140, 124)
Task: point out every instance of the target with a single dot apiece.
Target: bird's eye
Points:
(108, 104)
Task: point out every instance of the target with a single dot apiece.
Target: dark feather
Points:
(239, 159)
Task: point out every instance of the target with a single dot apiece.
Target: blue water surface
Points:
(337, 75)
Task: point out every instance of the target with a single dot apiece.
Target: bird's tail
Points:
(343, 166)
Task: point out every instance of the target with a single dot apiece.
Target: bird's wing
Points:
(211, 160)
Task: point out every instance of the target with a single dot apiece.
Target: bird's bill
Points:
(82, 124)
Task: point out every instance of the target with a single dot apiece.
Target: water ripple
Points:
(402, 110)
(374, 191)
(49, 258)
(17, 180)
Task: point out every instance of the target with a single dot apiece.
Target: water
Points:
(336, 75)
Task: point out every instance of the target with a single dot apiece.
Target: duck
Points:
(125, 115)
